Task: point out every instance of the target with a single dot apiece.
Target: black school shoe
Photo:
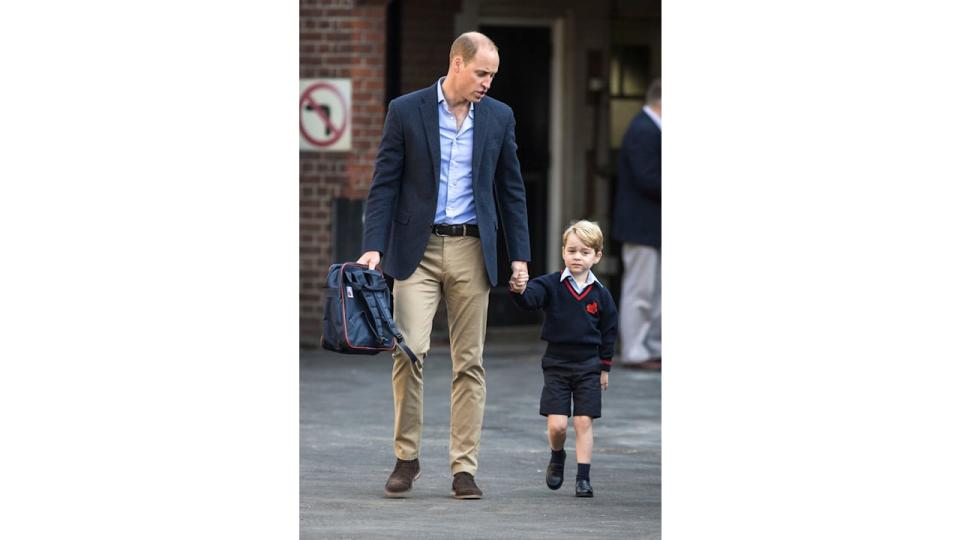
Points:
(584, 489)
(554, 475)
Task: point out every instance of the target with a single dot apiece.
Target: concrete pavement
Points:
(346, 421)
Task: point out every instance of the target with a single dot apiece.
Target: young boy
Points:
(580, 328)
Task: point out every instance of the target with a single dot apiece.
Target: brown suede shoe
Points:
(464, 487)
(401, 479)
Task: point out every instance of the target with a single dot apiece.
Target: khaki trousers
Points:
(451, 267)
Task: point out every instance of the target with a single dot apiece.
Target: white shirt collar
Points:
(653, 116)
(590, 279)
(442, 99)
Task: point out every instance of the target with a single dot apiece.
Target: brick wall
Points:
(426, 34)
(338, 38)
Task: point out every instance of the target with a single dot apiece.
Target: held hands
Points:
(518, 281)
(604, 380)
(370, 258)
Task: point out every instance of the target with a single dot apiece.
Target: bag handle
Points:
(394, 330)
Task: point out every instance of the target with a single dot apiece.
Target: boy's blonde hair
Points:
(588, 232)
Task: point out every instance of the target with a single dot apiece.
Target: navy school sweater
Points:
(578, 328)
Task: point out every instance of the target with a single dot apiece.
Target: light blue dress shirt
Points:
(653, 116)
(455, 197)
(573, 281)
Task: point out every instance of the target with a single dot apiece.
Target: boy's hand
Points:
(604, 380)
(519, 283)
(517, 288)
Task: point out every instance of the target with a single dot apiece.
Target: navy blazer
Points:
(403, 197)
(636, 213)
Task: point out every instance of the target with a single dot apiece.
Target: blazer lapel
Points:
(479, 139)
(431, 127)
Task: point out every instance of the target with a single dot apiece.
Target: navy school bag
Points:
(356, 317)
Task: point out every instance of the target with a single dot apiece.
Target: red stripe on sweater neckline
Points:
(574, 293)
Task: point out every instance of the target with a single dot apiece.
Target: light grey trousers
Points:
(640, 304)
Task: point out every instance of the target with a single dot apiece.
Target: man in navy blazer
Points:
(636, 223)
(446, 168)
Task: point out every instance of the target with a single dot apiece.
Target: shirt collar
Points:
(653, 116)
(590, 277)
(441, 99)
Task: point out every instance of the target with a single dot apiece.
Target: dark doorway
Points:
(523, 83)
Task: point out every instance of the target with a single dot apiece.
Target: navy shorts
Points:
(562, 384)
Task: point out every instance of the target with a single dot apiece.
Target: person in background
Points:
(636, 223)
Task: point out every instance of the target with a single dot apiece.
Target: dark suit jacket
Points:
(636, 215)
(403, 197)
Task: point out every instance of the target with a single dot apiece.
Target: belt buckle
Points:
(453, 230)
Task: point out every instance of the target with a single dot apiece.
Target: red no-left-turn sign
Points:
(325, 114)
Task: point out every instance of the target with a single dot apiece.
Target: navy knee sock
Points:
(583, 471)
(558, 456)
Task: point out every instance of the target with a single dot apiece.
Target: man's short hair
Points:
(588, 232)
(468, 43)
(653, 92)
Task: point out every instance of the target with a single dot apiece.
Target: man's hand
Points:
(604, 380)
(518, 281)
(370, 258)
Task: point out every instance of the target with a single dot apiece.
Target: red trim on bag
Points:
(607, 362)
(574, 293)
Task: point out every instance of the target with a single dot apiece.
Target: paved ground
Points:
(346, 419)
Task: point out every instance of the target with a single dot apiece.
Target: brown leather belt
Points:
(456, 230)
